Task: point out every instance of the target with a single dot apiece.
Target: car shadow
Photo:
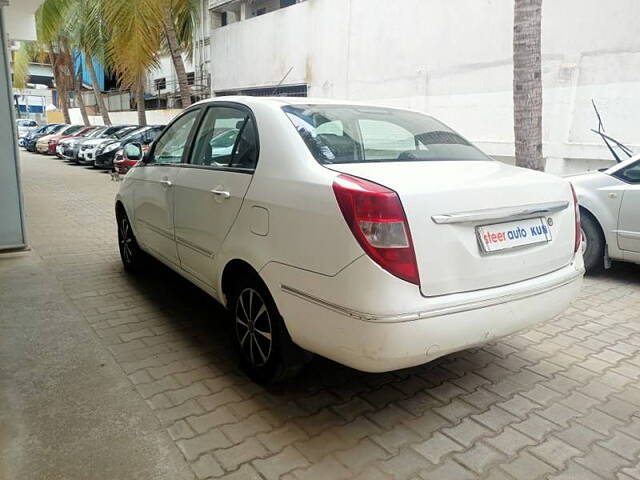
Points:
(326, 393)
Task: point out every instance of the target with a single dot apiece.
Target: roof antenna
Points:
(275, 90)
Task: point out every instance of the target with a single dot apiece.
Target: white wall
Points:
(154, 117)
(453, 59)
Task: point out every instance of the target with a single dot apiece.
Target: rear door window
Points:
(226, 139)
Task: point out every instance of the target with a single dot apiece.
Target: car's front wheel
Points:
(592, 243)
(130, 253)
(264, 346)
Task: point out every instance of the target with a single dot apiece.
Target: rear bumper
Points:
(413, 332)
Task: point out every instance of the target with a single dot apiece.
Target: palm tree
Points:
(527, 83)
(179, 19)
(81, 22)
(136, 29)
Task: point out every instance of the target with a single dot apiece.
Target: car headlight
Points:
(110, 148)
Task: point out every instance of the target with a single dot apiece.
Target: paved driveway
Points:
(558, 401)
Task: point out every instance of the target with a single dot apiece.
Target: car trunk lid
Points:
(451, 207)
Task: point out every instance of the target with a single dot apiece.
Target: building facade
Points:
(450, 58)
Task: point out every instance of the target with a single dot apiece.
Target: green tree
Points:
(180, 18)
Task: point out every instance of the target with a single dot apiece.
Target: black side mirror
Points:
(132, 151)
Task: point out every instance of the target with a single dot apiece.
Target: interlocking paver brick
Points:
(404, 465)
(466, 432)
(396, 438)
(495, 418)
(246, 428)
(327, 468)
(315, 448)
(479, 457)
(183, 394)
(559, 414)
(623, 445)
(281, 463)
(169, 415)
(449, 470)
(602, 461)
(358, 457)
(437, 447)
(194, 447)
(526, 467)
(510, 441)
(535, 427)
(579, 437)
(231, 458)
(220, 416)
(206, 467)
(599, 422)
(555, 452)
(149, 389)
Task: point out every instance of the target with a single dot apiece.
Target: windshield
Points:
(96, 133)
(133, 133)
(354, 134)
(124, 132)
(55, 128)
(71, 129)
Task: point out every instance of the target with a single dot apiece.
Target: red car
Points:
(122, 164)
(71, 132)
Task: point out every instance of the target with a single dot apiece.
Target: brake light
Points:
(376, 218)
(578, 232)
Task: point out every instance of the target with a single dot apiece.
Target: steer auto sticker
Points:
(513, 234)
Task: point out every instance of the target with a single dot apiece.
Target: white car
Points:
(376, 237)
(24, 126)
(610, 212)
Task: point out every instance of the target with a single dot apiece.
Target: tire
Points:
(264, 348)
(133, 258)
(593, 251)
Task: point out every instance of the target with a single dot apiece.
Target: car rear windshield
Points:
(354, 134)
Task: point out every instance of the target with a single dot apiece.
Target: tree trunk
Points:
(176, 55)
(80, 100)
(63, 99)
(64, 104)
(527, 83)
(139, 92)
(102, 108)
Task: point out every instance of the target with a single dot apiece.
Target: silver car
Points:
(610, 213)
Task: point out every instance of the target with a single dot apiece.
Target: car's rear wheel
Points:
(265, 349)
(130, 253)
(592, 243)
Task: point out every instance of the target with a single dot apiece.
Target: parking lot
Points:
(96, 364)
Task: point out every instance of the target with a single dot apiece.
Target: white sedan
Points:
(610, 211)
(376, 237)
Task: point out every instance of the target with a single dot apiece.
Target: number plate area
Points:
(517, 234)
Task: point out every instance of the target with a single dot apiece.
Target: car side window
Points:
(630, 174)
(171, 144)
(226, 139)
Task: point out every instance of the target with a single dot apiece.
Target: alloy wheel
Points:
(126, 240)
(584, 240)
(253, 327)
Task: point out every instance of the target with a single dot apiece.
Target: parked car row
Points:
(97, 146)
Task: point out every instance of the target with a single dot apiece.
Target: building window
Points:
(260, 11)
(160, 83)
(287, 3)
(224, 19)
(191, 78)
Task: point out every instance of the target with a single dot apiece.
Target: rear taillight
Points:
(578, 233)
(376, 217)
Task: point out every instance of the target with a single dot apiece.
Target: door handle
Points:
(221, 193)
(166, 183)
